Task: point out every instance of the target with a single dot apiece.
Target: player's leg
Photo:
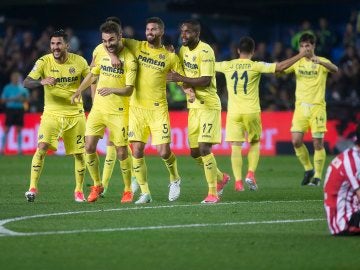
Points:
(74, 143)
(95, 129)
(299, 125)
(4, 138)
(139, 133)
(109, 164)
(125, 167)
(134, 184)
(318, 129)
(235, 134)
(48, 132)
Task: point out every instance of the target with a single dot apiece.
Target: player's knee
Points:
(90, 149)
(296, 143)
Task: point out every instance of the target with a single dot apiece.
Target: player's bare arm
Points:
(190, 92)
(126, 91)
(330, 66)
(200, 81)
(32, 83)
(281, 66)
(88, 80)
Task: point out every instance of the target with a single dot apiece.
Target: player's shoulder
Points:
(76, 58)
(205, 48)
(98, 49)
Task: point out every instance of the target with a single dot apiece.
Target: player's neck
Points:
(156, 45)
(245, 56)
(193, 45)
(62, 59)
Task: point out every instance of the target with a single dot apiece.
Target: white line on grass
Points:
(7, 232)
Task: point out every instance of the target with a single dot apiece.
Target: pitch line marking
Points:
(7, 232)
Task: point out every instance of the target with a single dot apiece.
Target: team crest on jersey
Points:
(194, 58)
(162, 56)
(72, 70)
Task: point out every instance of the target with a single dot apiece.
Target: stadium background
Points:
(25, 26)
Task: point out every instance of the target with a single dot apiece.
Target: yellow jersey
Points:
(197, 63)
(57, 98)
(242, 80)
(310, 81)
(110, 77)
(153, 65)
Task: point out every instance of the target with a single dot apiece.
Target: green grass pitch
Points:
(281, 226)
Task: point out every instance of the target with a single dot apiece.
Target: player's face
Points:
(153, 33)
(303, 46)
(58, 47)
(111, 41)
(189, 36)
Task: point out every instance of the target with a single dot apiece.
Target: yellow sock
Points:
(171, 165)
(130, 155)
(37, 165)
(302, 154)
(210, 169)
(92, 163)
(125, 167)
(140, 171)
(319, 161)
(79, 171)
(253, 156)
(219, 174)
(236, 161)
(109, 164)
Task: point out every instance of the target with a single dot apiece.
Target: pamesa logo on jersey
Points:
(151, 61)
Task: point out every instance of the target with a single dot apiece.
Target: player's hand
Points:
(115, 61)
(76, 96)
(173, 76)
(315, 59)
(190, 93)
(48, 81)
(105, 91)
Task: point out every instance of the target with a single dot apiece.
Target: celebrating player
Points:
(149, 109)
(110, 108)
(60, 72)
(243, 115)
(204, 120)
(310, 108)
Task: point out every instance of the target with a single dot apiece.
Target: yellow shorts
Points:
(240, 127)
(309, 116)
(143, 122)
(204, 125)
(71, 129)
(117, 124)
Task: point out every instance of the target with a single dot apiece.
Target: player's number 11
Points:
(244, 77)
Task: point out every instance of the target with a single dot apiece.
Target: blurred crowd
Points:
(19, 49)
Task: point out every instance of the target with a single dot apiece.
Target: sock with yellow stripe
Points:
(253, 156)
(92, 164)
(319, 162)
(79, 171)
(109, 164)
(219, 174)
(236, 161)
(140, 171)
(302, 154)
(171, 165)
(210, 169)
(37, 165)
(125, 166)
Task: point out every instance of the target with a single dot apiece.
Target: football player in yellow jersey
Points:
(149, 109)
(60, 72)
(110, 157)
(243, 121)
(204, 120)
(110, 108)
(310, 108)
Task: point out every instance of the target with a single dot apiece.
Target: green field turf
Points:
(281, 226)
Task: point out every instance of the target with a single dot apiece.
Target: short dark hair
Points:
(60, 33)
(156, 20)
(246, 45)
(196, 26)
(113, 19)
(110, 27)
(308, 37)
